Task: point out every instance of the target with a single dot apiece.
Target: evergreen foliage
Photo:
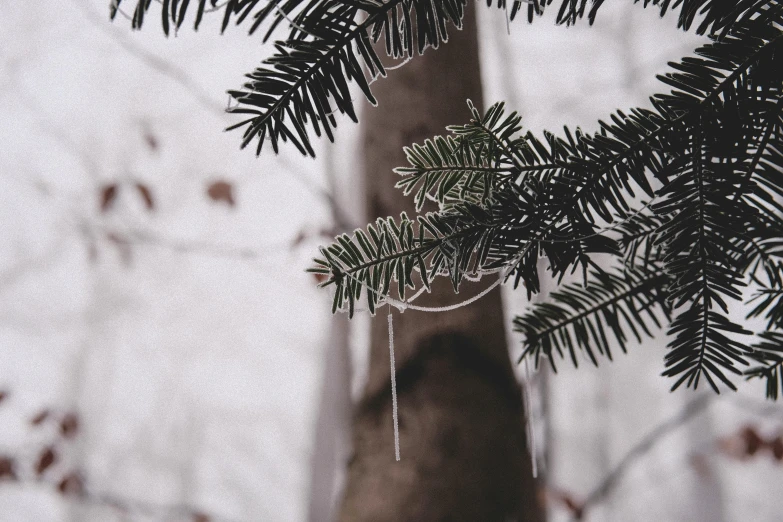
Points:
(684, 201)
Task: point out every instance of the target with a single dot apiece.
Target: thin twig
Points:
(690, 410)
(131, 505)
(184, 246)
(152, 60)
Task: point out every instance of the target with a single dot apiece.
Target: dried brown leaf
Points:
(45, 460)
(222, 192)
(7, 468)
(152, 141)
(71, 484)
(146, 196)
(39, 417)
(108, 194)
(753, 441)
(69, 425)
(776, 445)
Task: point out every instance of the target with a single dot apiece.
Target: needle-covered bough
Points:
(672, 215)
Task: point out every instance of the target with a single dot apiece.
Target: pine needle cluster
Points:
(672, 215)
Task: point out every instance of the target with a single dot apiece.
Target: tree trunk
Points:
(462, 437)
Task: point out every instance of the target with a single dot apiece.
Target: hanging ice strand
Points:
(394, 390)
(527, 389)
(403, 305)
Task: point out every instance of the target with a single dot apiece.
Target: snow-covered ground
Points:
(178, 323)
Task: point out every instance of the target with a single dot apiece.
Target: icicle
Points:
(531, 441)
(394, 391)
(402, 306)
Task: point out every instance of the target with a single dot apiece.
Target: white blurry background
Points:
(152, 283)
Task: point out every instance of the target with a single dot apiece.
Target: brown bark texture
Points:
(462, 436)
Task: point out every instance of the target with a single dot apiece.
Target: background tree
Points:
(462, 432)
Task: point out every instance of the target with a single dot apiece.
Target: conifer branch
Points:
(769, 353)
(580, 316)
(712, 148)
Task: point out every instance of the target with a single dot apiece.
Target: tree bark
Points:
(462, 438)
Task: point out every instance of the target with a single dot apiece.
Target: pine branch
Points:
(473, 163)
(632, 144)
(292, 91)
(762, 186)
(580, 149)
(773, 125)
(494, 133)
(769, 352)
(464, 239)
(638, 238)
(174, 12)
(714, 144)
(702, 241)
(520, 187)
(390, 252)
(306, 72)
(696, 258)
(771, 304)
(761, 247)
(706, 142)
(581, 316)
(594, 171)
(718, 16)
(443, 170)
(597, 169)
(296, 88)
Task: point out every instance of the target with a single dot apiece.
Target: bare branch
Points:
(153, 61)
(640, 450)
(609, 482)
(185, 246)
(129, 506)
